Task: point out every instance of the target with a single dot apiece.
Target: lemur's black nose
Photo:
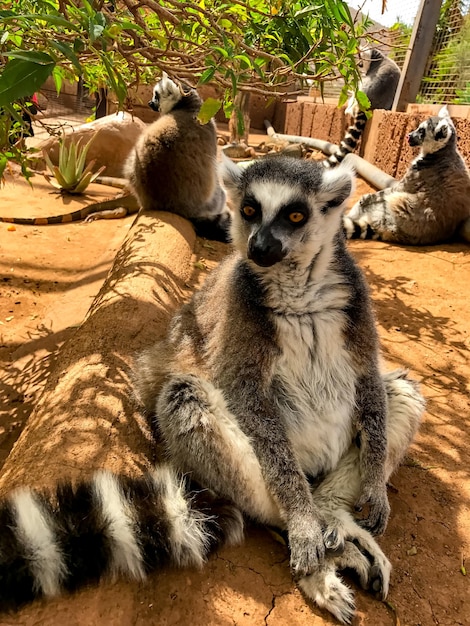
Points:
(265, 250)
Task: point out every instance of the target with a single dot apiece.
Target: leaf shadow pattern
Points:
(86, 417)
(420, 299)
(250, 584)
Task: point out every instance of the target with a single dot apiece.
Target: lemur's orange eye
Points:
(296, 217)
(248, 211)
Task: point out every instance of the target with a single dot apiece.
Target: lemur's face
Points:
(285, 209)
(368, 59)
(432, 134)
(166, 95)
(363, 62)
(154, 103)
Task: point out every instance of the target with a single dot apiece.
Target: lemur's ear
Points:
(444, 112)
(337, 186)
(231, 175)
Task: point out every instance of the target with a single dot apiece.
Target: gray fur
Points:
(380, 77)
(174, 164)
(271, 374)
(430, 203)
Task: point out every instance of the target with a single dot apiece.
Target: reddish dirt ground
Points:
(48, 276)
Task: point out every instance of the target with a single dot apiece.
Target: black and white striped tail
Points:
(108, 526)
(349, 142)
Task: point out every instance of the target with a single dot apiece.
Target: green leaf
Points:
(246, 61)
(87, 178)
(117, 83)
(89, 9)
(96, 30)
(71, 169)
(48, 161)
(343, 96)
(40, 58)
(21, 78)
(335, 11)
(306, 11)
(345, 14)
(80, 166)
(96, 26)
(97, 173)
(228, 109)
(353, 46)
(68, 53)
(63, 153)
(362, 100)
(55, 20)
(240, 123)
(128, 25)
(208, 109)
(14, 111)
(3, 164)
(59, 178)
(83, 153)
(207, 75)
(221, 51)
(78, 45)
(58, 79)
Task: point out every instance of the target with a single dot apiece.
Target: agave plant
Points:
(71, 175)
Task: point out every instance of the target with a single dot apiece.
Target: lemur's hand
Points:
(374, 497)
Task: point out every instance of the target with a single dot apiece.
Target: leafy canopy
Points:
(269, 47)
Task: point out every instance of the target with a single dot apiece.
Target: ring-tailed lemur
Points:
(172, 168)
(380, 80)
(267, 393)
(174, 164)
(432, 200)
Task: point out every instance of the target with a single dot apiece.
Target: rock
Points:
(236, 150)
(116, 135)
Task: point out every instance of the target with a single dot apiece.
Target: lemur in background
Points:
(174, 164)
(430, 203)
(268, 399)
(379, 82)
(172, 168)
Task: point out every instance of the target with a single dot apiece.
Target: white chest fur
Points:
(316, 373)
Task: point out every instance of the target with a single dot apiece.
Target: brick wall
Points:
(385, 140)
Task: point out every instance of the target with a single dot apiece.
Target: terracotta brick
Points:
(462, 126)
(307, 119)
(294, 112)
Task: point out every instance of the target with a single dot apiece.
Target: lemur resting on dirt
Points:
(172, 168)
(174, 165)
(430, 203)
(269, 400)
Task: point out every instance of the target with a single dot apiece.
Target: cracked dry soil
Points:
(48, 278)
